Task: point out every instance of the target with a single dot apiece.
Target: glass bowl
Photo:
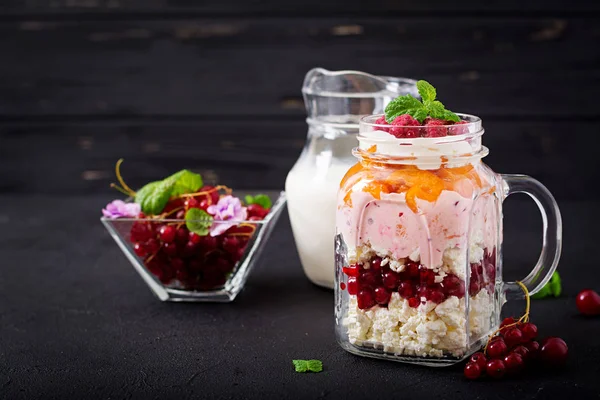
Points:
(194, 269)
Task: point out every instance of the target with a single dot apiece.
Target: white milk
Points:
(311, 190)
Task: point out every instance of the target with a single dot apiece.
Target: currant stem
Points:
(120, 189)
(129, 191)
(523, 319)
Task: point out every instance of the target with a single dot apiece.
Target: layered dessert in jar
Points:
(418, 232)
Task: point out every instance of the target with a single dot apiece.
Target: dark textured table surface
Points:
(77, 322)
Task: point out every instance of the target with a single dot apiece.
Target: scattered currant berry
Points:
(472, 370)
(152, 245)
(390, 280)
(507, 321)
(529, 330)
(495, 368)
(170, 249)
(406, 290)
(554, 352)
(376, 264)
(514, 363)
(480, 359)
(166, 233)
(588, 302)
(497, 348)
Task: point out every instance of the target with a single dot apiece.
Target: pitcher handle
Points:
(551, 234)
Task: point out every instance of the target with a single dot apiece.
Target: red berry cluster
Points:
(171, 252)
(376, 284)
(514, 349)
(406, 127)
(483, 275)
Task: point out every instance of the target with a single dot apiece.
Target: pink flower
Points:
(119, 209)
(228, 208)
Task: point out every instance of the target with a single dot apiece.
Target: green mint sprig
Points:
(198, 221)
(308, 365)
(419, 110)
(551, 289)
(154, 196)
(260, 199)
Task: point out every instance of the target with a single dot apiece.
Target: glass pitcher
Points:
(419, 239)
(335, 101)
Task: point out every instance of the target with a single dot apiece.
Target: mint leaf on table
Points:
(198, 221)
(419, 110)
(551, 289)
(154, 196)
(308, 365)
(261, 199)
(185, 182)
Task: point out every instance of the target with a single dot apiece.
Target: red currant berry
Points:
(529, 330)
(414, 302)
(472, 370)
(368, 279)
(522, 351)
(382, 296)
(411, 270)
(166, 233)
(514, 363)
(507, 321)
(352, 286)
(436, 296)
(177, 264)
(256, 210)
(140, 249)
(152, 245)
(230, 244)
(195, 238)
(513, 337)
(390, 280)
(554, 352)
(365, 299)
(588, 302)
(351, 270)
(170, 249)
(497, 348)
(191, 202)
(204, 204)
(406, 290)
(182, 235)
(376, 264)
(495, 368)
(209, 243)
(180, 215)
(534, 349)
(480, 359)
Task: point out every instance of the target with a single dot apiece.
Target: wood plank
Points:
(79, 158)
(297, 7)
(252, 66)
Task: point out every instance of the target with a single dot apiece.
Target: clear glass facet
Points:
(209, 274)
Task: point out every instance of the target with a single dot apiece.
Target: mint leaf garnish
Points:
(308, 365)
(154, 196)
(185, 182)
(261, 199)
(419, 110)
(426, 90)
(552, 288)
(198, 221)
(405, 105)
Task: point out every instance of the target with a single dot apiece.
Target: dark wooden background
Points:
(215, 85)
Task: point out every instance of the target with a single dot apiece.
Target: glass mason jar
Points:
(335, 101)
(418, 244)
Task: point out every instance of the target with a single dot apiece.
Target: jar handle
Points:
(552, 234)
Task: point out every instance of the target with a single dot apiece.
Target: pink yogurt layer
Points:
(388, 225)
